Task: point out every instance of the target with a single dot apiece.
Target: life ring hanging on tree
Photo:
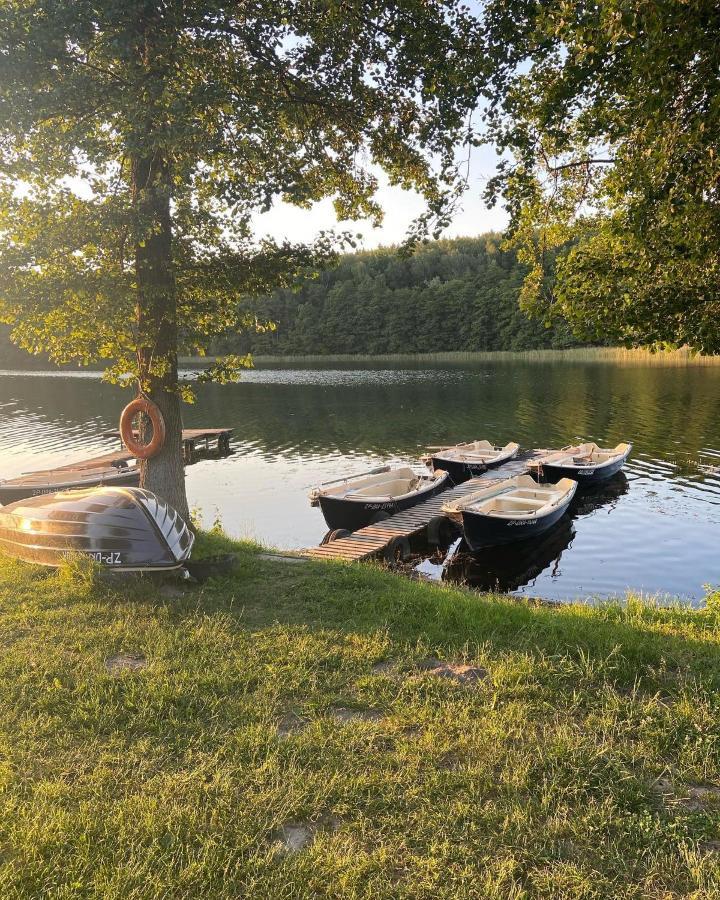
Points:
(142, 405)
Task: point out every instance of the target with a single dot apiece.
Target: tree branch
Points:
(581, 162)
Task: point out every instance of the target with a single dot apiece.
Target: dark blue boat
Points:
(467, 460)
(587, 464)
(362, 500)
(511, 510)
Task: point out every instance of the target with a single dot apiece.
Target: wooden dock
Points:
(390, 539)
(191, 437)
(105, 461)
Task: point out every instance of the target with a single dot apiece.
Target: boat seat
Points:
(391, 487)
(544, 495)
(511, 505)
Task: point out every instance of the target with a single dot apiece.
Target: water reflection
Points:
(297, 427)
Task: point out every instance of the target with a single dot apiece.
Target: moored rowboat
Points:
(126, 529)
(510, 510)
(466, 460)
(585, 463)
(364, 499)
(35, 484)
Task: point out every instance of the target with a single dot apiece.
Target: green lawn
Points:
(282, 734)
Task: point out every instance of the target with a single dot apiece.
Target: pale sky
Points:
(285, 222)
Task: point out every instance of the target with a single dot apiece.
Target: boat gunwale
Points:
(464, 504)
(556, 460)
(428, 482)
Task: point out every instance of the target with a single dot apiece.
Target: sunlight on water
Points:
(657, 530)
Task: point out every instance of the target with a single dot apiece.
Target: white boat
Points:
(360, 500)
(586, 463)
(472, 458)
(510, 510)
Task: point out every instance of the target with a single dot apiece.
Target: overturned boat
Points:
(585, 463)
(510, 510)
(50, 481)
(466, 460)
(125, 529)
(360, 500)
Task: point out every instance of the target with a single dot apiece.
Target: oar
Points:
(376, 471)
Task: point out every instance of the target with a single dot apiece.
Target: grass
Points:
(276, 734)
(616, 355)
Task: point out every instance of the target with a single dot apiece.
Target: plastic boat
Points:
(360, 500)
(585, 463)
(510, 510)
(127, 529)
(35, 484)
(464, 461)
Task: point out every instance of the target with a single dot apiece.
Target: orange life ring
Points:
(138, 405)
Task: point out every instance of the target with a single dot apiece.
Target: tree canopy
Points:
(138, 138)
(608, 114)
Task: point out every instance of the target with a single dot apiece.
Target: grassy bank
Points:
(295, 731)
(615, 355)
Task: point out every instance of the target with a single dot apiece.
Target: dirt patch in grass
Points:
(290, 724)
(383, 667)
(465, 674)
(697, 797)
(297, 836)
(691, 797)
(346, 714)
(125, 662)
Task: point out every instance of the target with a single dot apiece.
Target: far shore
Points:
(681, 357)
(607, 355)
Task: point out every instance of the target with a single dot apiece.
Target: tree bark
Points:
(156, 322)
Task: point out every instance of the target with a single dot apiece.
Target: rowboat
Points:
(585, 463)
(122, 528)
(360, 500)
(35, 484)
(464, 461)
(510, 510)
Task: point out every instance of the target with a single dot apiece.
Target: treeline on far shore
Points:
(451, 295)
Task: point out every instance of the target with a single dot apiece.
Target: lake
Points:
(655, 529)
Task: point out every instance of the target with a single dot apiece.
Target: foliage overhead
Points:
(609, 116)
(216, 109)
(449, 295)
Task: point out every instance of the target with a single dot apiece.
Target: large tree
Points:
(609, 116)
(138, 138)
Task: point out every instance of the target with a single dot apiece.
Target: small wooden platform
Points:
(191, 437)
(105, 461)
(374, 540)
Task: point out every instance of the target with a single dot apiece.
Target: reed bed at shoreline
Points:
(615, 355)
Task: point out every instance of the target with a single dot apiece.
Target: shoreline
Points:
(681, 357)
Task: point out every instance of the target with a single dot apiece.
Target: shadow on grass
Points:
(641, 637)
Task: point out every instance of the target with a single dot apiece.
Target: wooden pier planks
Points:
(373, 540)
(108, 460)
(192, 436)
(189, 434)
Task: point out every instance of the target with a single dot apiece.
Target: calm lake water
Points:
(655, 529)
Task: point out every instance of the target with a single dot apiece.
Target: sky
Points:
(286, 222)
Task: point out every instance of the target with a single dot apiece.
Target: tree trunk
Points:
(156, 321)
